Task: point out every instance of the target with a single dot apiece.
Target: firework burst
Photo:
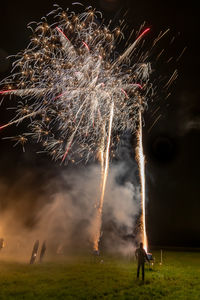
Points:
(70, 78)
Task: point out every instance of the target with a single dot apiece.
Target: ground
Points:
(110, 278)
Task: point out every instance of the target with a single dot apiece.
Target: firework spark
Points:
(78, 93)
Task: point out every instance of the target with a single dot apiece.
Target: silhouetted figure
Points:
(141, 255)
(34, 252)
(1, 244)
(43, 250)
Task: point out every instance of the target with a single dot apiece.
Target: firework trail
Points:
(104, 166)
(77, 92)
(141, 163)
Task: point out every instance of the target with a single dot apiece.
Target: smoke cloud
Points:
(62, 211)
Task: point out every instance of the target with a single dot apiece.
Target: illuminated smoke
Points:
(62, 211)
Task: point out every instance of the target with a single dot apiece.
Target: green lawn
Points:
(114, 278)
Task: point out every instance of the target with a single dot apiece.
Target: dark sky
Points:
(172, 146)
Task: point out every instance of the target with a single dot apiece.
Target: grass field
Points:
(114, 278)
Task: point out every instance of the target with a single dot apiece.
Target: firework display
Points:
(71, 81)
(78, 93)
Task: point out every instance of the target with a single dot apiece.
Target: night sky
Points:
(172, 145)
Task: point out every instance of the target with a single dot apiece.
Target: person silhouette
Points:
(141, 255)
